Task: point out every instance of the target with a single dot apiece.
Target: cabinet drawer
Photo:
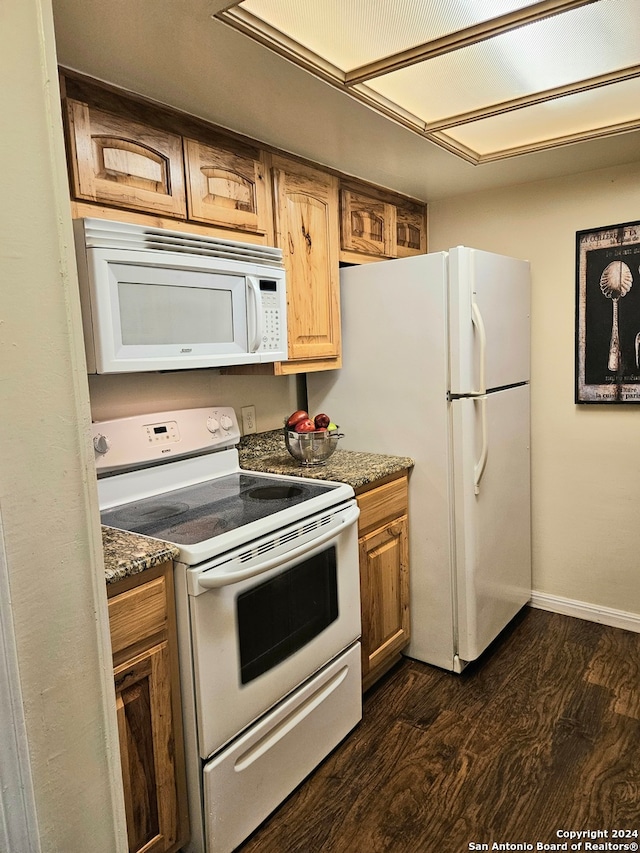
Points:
(382, 503)
(138, 613)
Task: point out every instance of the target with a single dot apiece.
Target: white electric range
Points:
(267, 602)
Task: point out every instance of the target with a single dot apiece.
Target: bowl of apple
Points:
(310, 441)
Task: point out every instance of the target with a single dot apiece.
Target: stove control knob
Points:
(212, 424)
(226, 422)
(101, 444)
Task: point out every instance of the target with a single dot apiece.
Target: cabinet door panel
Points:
(226, 187)
(367, 224)
(384, 581)
(411, 235)
(123, 162)
(376, 225)
(147, 750)
(307, 231)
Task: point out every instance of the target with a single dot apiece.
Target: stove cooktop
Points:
(175, 476)
(197, 513)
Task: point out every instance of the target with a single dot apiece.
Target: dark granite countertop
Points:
(266, 452)
(128, 554)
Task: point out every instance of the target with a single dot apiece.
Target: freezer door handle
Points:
(478, 323)
(484, 450)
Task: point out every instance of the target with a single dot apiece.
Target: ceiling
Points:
(486, 79)
(426, 97)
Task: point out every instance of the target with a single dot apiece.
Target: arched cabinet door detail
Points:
(119, 161)
(307, 230)
(227, 187)
(366, 224)
(375, 225)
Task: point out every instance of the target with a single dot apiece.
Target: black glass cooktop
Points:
(197, 513)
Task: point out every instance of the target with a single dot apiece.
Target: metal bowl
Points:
(311, 448)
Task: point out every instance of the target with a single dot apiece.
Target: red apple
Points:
(296, 417)
(306, 425)
(322, 421)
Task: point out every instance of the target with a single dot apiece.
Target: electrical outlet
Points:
(248, 420)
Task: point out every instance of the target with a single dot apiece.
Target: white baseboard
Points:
(583, 610)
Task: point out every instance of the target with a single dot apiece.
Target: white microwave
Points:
(154, 299)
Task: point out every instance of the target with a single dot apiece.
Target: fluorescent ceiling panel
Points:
(349, 33)
(567, 48)
(577, 115)
(482, 84)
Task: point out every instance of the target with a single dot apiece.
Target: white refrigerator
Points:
(436, 366)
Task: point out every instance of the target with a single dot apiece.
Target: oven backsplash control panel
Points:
(145, 439)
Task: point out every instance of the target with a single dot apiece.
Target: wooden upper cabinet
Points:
(366, 224)
(307, 230)
(411, 232)
(373, 225)
(119, 161)
(227, 187)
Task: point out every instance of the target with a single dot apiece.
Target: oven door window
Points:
(281, 615)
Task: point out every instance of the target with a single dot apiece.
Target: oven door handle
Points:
(214, 579)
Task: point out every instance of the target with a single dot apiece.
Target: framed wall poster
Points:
(608, 314)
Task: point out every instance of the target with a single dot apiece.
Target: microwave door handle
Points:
(255, 316)
(215, 580)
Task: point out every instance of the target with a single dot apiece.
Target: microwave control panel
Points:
(271, 320)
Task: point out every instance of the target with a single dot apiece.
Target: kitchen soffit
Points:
(485, 79)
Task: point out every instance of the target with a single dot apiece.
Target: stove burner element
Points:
(274, 493)
(196, 530)
(206, 511)
(143, 515)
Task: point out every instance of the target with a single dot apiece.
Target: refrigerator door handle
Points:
(482, 461)
(477, 321)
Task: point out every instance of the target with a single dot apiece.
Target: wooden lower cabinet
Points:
(142, 621)
(383, 535)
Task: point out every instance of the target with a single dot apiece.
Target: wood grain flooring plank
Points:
(542, 733)
(616, 665)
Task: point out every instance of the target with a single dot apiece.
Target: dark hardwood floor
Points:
(542, 734)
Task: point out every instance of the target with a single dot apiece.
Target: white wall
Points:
(48, 498)
(585, 459)
(274, 397)
(54, 615)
